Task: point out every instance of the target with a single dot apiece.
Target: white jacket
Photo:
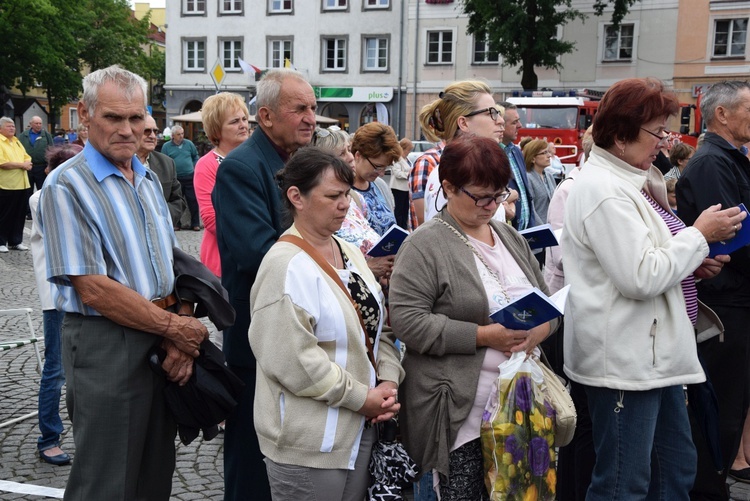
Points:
(626, 326)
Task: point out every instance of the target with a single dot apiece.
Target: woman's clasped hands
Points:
(381, 403)
(510, 341)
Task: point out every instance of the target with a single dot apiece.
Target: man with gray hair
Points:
(185, 155)
(719, 173)
(108, 242)
(248, 207)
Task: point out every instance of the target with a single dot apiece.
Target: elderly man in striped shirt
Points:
(108, 240)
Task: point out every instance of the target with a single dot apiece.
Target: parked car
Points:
(419, 148)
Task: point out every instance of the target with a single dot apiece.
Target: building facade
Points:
(349, 50)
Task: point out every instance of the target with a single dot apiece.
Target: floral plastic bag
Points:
(518, 435)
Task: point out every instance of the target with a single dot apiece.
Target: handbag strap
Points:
(329, 270)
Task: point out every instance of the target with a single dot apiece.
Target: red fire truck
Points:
(562, 117)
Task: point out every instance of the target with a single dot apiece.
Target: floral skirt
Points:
(466, 468)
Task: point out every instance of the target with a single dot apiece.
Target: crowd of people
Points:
(331, 342)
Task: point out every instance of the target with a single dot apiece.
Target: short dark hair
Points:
(305, 170)
(627, 105)
(56, 155)
(680, 151)
(474, 160)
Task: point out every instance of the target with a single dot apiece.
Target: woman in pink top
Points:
(225, 118)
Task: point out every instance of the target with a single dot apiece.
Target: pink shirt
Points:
(204, 179)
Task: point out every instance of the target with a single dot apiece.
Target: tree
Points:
(524, 32)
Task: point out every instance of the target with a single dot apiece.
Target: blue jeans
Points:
(644, 449)
(423, 490)
(53, 377)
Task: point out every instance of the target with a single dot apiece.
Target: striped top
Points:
(689, 290)
(95, 222)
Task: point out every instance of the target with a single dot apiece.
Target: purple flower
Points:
(514, 448)
(486, 416)
(523, 393)
(551, 412)
(538, 456)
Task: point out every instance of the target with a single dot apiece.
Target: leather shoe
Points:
(59, 460)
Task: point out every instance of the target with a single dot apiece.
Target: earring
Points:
(622, 151)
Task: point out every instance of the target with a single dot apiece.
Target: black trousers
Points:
(189, 192)
(728, 367)
(13, 205)
(245, 477)
(401, 209)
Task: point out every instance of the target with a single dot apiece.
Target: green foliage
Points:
(524, 32)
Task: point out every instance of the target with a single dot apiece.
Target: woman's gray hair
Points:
(725, 94)
(336, 139)
(127, 81)
(6, 120)
(269, 87)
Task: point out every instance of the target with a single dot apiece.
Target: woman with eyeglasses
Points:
(449, 276)
(632, 311)
(355, 228)
(375, 148)
(463, 108)
(542, 184)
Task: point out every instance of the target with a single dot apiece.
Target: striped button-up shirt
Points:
(95, 222)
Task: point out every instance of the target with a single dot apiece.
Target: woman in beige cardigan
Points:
(321, 379)
(449, 275)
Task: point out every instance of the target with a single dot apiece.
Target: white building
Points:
(349, 50)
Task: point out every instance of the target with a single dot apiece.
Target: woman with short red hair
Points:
(632, 309)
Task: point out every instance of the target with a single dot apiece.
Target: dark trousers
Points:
(245, 477)
(728, 368)
(401, 208)
(122, 429)
(13, 205)
(576, 460)
(189, 193)
(37, 176)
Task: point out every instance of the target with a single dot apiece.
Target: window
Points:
(230, 6)
(377, 4)
(193, 7)
(618, 42)
(730, 36)
(280, 6)
(73, 118)
(440, 47)
(375, 54)
(483, 54)
(334, 54)
(194, 55)
(278, 51)
(335, 4)
(231, 53)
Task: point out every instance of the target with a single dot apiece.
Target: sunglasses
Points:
(321, 133)
(148, 132)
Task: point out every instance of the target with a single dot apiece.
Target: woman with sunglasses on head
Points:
(375, 148)
(355, 229)
(632, 313)
(463, 108)
(449, 276)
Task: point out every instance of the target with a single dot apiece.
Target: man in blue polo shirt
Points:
(185, 155)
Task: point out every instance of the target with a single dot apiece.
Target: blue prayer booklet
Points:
(389, 243)
(531, 309)
(540, 236)
(741, 239)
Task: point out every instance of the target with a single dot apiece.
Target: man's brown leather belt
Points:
(165, 302)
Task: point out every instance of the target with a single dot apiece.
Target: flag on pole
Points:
(248, 68)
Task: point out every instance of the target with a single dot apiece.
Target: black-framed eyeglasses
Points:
(662, 139)
(498, 198)
(493, 111)
(148, 132)
(379, 168)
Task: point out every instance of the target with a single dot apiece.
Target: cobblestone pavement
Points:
(199, 472)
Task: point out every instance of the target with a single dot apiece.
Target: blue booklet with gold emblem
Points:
(741, 239)
(531, 309)
(540, 236)
(389, 243)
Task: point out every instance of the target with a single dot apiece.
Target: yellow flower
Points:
(537, 420)
(519, 417)
(548, 423)
(531, 494)
(551, 480)
(505, 429)
(507, 458)
(511, 471)
(551, 455)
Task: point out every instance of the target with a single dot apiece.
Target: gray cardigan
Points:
(437, 301)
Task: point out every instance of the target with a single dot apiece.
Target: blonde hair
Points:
(439, 119)
(215, 110)
(531, 150)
